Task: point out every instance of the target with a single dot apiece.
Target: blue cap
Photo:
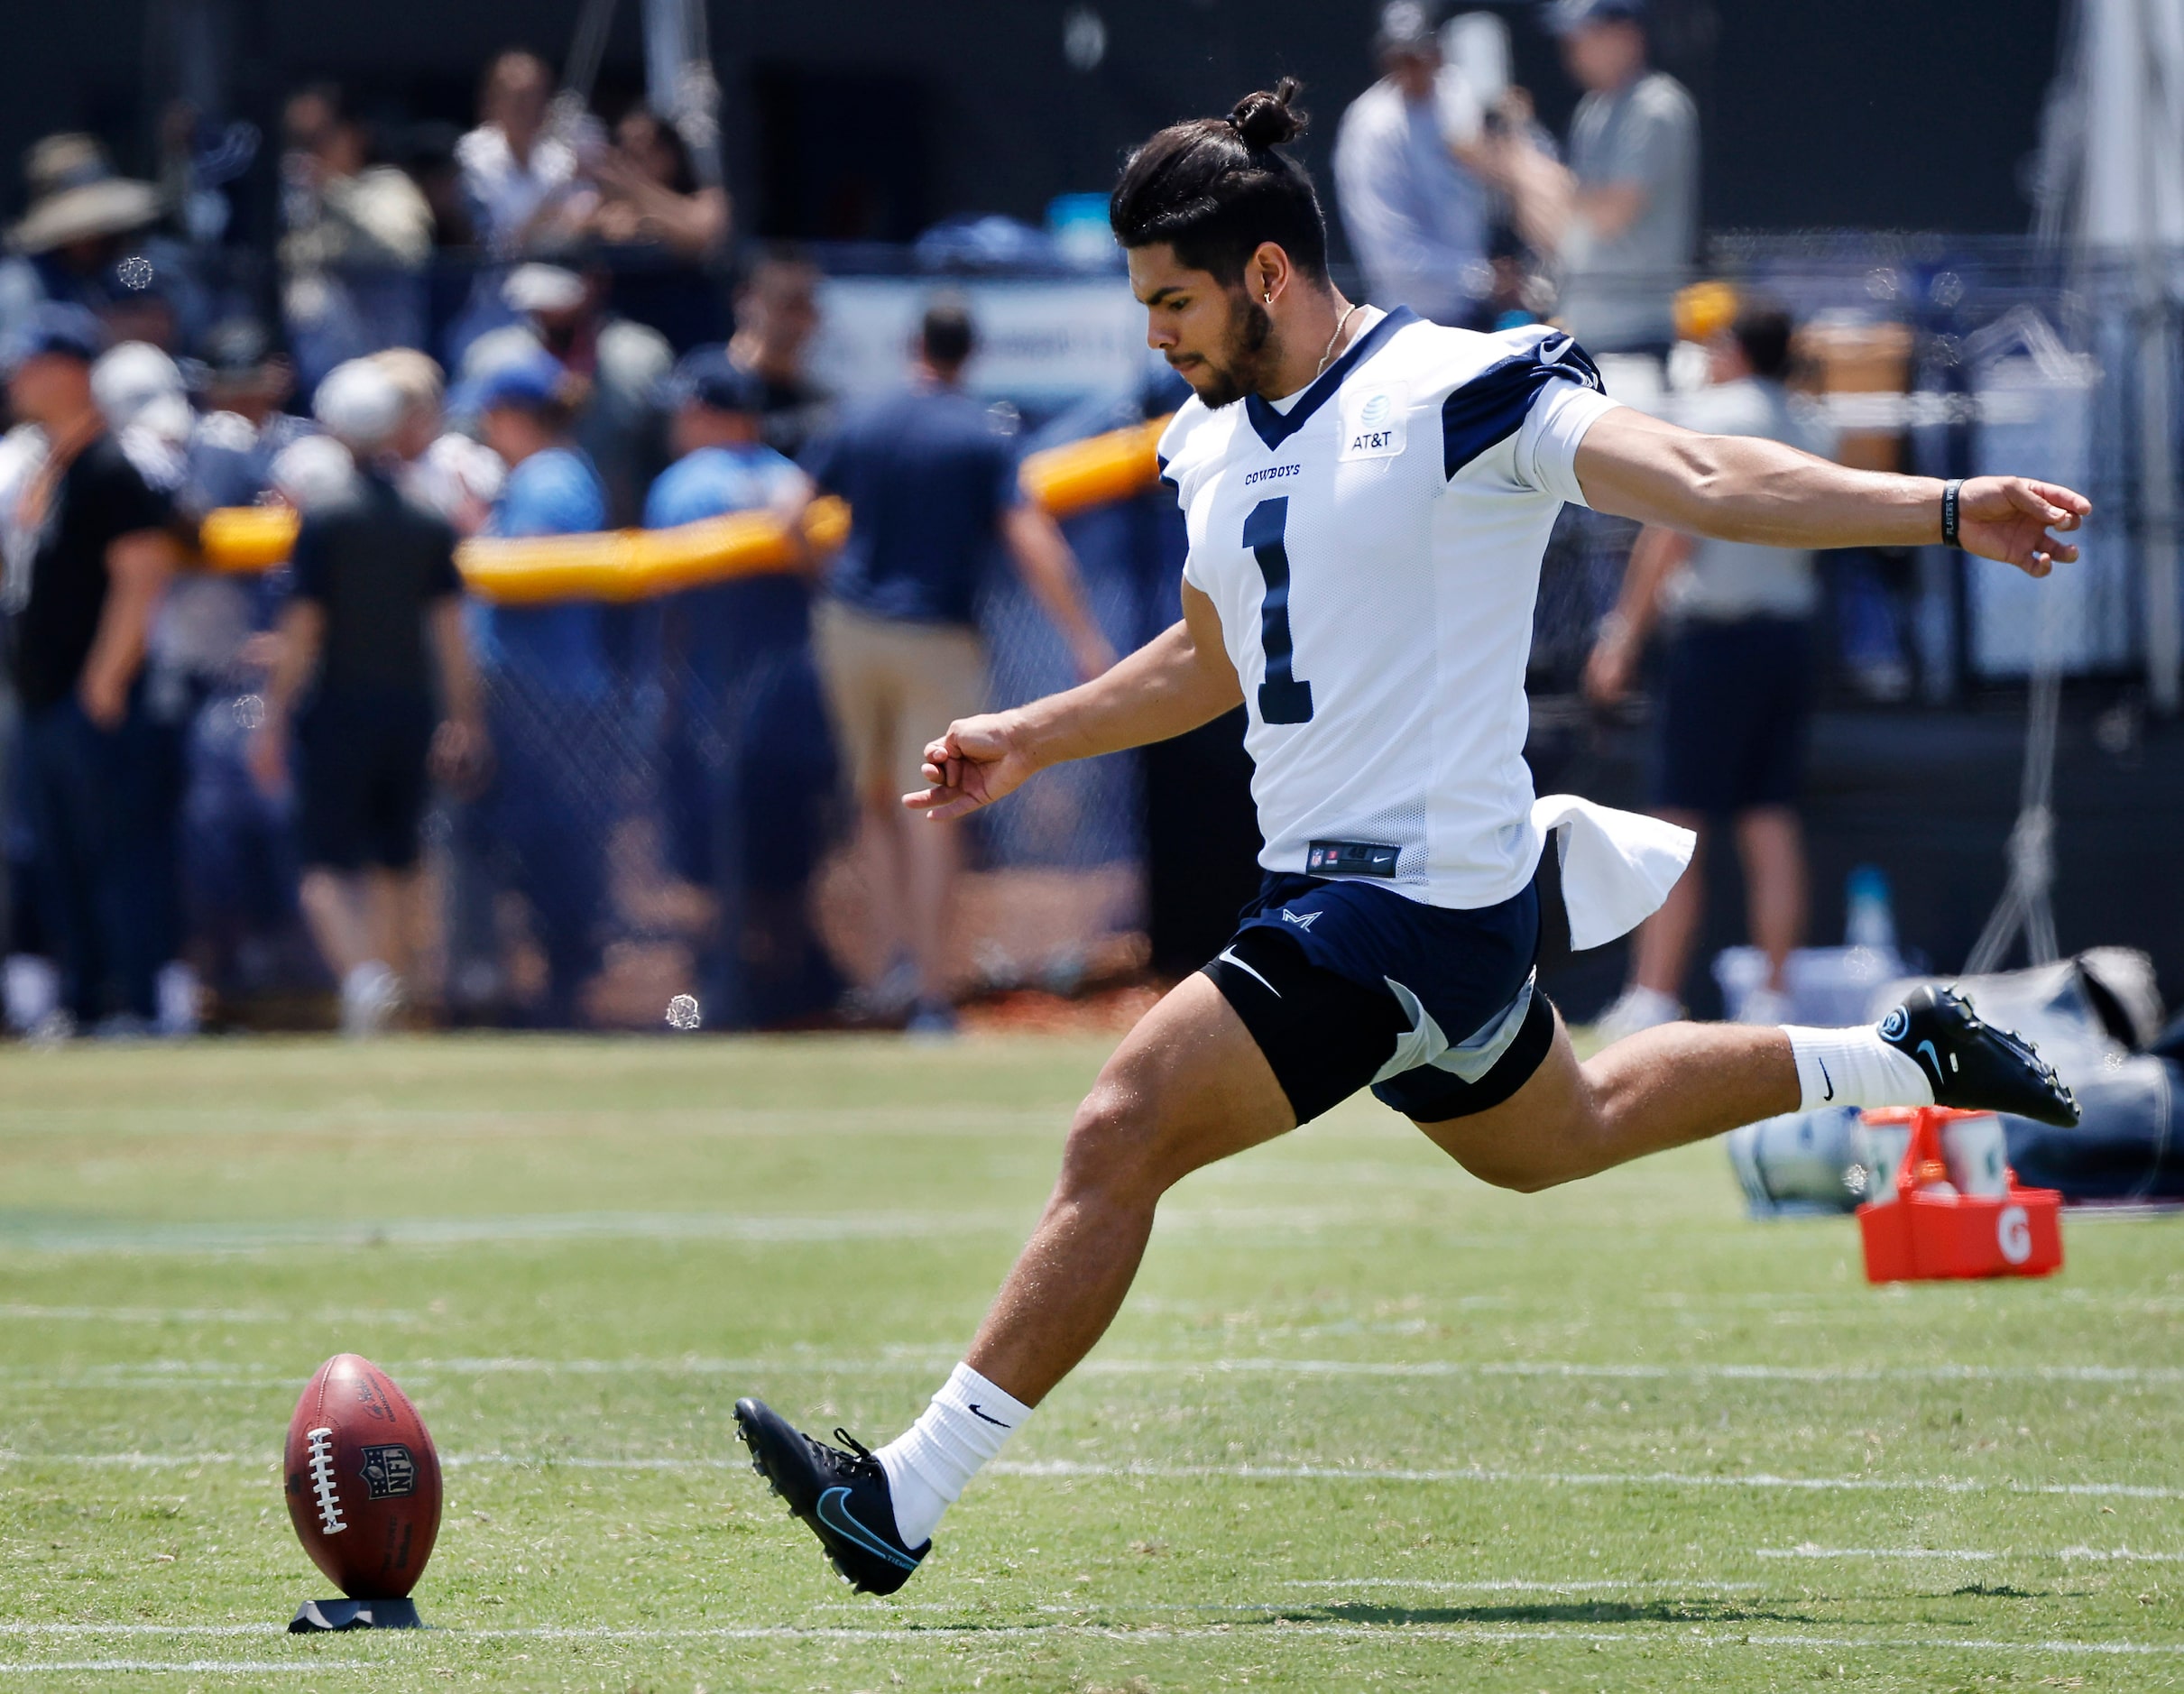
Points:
(706, 376)
(54, 327)
(530, 382)
(1564, 17)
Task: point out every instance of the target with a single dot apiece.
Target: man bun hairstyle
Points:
(1265, 118)
(1214, 189)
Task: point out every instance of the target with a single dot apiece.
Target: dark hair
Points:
(946, 335)
(506, 59)
(1214, 188)
(682, 175)
(1764, 329)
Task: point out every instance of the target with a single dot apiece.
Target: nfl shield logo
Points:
(388, 1472)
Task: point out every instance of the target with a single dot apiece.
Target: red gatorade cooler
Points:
(1923, 1226)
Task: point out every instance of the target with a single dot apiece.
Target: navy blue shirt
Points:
(928, 474)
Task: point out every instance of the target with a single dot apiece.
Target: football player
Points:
(1367, 498)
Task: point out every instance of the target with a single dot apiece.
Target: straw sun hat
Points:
(76, 195)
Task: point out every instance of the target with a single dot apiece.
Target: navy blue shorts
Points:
(362, 780)
(1345, 985)
(1734, 702)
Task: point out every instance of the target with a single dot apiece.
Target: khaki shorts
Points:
(891, 687)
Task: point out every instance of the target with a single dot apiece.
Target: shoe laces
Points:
(859, 1461)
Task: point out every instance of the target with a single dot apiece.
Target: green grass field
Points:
(1363, 1422)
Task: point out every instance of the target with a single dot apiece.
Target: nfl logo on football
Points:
(388, 1472)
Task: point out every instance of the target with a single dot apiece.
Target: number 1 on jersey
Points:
(1282, 697)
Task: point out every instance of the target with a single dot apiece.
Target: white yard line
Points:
(1880, 1552)
(142, 1629)
(186, 1666)
(1532, 1585)
(2119, 1555)
(938, 1356)
(196, 1314)
(1068, 1468)
(1278, 1628)
(1581, 1479)
(461, 1231)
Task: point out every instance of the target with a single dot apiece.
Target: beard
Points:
(1235, 371)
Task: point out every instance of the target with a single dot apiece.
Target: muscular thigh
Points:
(1540, 1135)
(1187, 1086)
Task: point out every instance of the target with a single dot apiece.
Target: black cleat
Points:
(1975, 1066)
(842, 1497)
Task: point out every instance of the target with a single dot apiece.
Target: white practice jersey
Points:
(1373, 548)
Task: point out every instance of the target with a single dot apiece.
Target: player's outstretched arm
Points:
(1742, 488)
(1177, 681)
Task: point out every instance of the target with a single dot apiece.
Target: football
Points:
(363, 1482)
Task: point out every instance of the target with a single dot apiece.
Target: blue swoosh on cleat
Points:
(1934, 1059)
(840, 1521)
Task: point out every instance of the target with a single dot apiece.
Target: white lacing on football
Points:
(322, 1482)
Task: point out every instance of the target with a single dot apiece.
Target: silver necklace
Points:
(1342, 323)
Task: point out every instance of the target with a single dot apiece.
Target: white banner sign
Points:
(1043, 342)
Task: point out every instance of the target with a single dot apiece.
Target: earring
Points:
(1268, 297)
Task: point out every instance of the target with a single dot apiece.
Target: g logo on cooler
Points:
(1894, 1025)
(2014, 1234)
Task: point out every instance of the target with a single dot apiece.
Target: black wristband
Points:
(1949, 493)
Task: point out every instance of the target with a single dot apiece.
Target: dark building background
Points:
(870, 118)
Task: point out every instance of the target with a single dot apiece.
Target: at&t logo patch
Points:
(1373, 424)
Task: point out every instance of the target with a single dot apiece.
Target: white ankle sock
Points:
(930, 1463)
(1854, 1067)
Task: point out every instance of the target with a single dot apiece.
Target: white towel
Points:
(1618, 867)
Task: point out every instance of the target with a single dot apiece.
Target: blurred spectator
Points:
(550, 694)
(1734, 695)
(358, 234)
(459, 477)
(140, 392)
(745, 714)
(932, 481)
(427, 153)
(516, 176)
(99, 559)
(620, 365)
(243, 383)
(777, 313)
(343, 209)
(1619, 224)
(376, 609)
(238, 874)
(650, 197)
(88, 240)
(1416, 213)
(446, 470)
